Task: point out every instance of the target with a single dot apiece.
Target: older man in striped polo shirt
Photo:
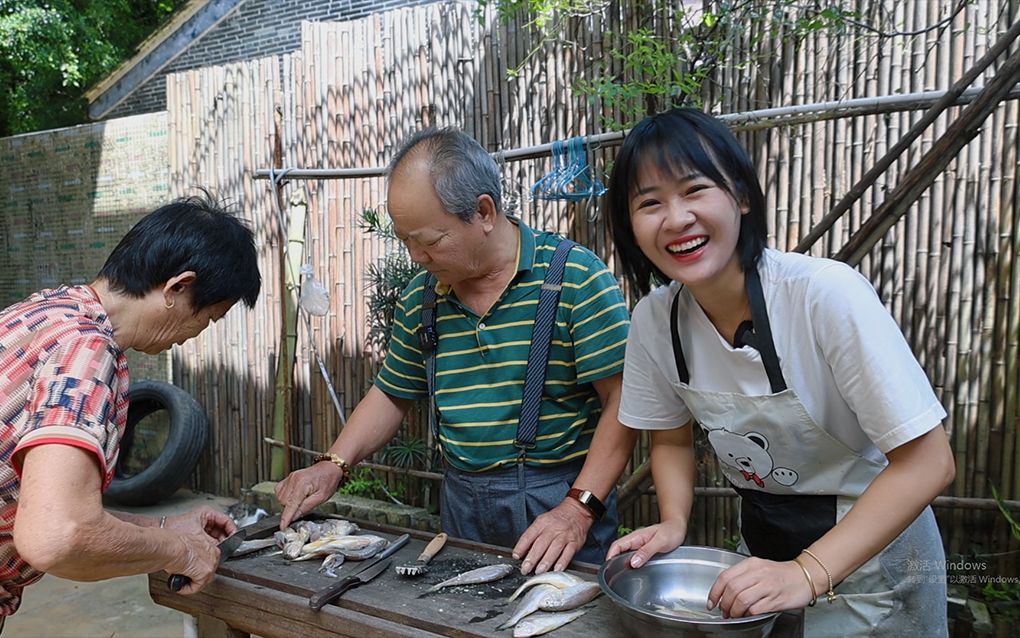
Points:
(551, 498)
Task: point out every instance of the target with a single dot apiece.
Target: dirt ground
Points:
(121, 607)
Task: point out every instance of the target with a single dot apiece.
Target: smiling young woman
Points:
(817, 410)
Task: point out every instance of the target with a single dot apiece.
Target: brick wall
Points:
(68, 196)
(257, 28)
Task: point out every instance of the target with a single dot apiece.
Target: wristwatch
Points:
(589, 500)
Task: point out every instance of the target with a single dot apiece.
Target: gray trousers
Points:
(496, 507)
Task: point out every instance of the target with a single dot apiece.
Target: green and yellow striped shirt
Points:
(481, 361)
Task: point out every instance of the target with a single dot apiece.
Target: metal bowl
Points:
(667, 595)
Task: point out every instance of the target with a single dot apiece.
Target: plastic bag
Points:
(314, 297)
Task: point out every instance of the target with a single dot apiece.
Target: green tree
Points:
(51, 51)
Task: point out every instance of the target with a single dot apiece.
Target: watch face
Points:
(590, 501)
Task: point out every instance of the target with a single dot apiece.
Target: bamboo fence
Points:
(947, 270)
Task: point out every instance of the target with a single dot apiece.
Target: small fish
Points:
(368, 551)
(293, 547)
(331, 564)
(530, 603)
(571, 597)
(338, 527)
(309, 526)
(538, 624)
(561, 580)
(347, 545)
(286, 535)
(680, 609)
(485, 574)
(254, 545)
(280, 538)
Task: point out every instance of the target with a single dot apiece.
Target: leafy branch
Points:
(386, 279)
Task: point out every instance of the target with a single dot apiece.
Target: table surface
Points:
(265, 594)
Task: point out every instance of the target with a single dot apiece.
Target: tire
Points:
(187, 435)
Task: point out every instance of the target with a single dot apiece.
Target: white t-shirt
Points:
(839, 350)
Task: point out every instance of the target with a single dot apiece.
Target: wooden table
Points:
(268, 596)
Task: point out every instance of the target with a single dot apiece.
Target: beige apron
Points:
(796, 482)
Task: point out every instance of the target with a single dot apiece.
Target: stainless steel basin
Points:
(666, 596)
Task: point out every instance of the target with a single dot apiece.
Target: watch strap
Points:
(589, 500)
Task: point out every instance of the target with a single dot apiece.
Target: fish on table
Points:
(486, 574)
(543, 623)
(551, 591)
(560, 580)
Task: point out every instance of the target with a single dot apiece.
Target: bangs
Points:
(659, 149)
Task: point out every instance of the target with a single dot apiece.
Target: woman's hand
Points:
(203, 520)
(649, 541)
(198, 558)
(757, 586)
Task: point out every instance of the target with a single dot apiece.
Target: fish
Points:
(366, 552)
(530, 603)
(680, 609)
(570, 598)
(338, 527)
(292, 549)
(254, 545)
(349, 546)
(485, 574)
(331, 564)
(561, 580)
(281, 539)
(538, 624)
(329, 527)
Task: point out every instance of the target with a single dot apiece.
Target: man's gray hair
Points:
(459, 167)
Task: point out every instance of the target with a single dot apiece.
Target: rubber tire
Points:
(186, 440)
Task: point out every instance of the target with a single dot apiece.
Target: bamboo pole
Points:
(918, 179)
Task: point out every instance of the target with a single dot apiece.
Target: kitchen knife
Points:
(370, 570)
(227, 547)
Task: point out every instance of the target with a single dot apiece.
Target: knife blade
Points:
(227, 547)
(370, 570)
(320, 598)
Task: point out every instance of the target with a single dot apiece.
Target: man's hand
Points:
(305, 489)
(203, 520)
(553, 539)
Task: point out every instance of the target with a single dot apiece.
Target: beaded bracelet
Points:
(339, 461)
(810, 581)
(829, 595)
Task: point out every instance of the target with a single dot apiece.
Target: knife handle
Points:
(177, 582)
(319, 599)
(432, 548)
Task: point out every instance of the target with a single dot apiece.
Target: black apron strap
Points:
(538, 355)
(760, 338)
(428, 339)
(674, 333)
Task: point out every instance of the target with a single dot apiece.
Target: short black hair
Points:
(192, 233)
(678, 139)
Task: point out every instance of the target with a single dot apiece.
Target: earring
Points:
(170, 305)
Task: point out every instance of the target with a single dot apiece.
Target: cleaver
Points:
(227, 547)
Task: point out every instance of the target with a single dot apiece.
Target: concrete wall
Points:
(255, 29)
